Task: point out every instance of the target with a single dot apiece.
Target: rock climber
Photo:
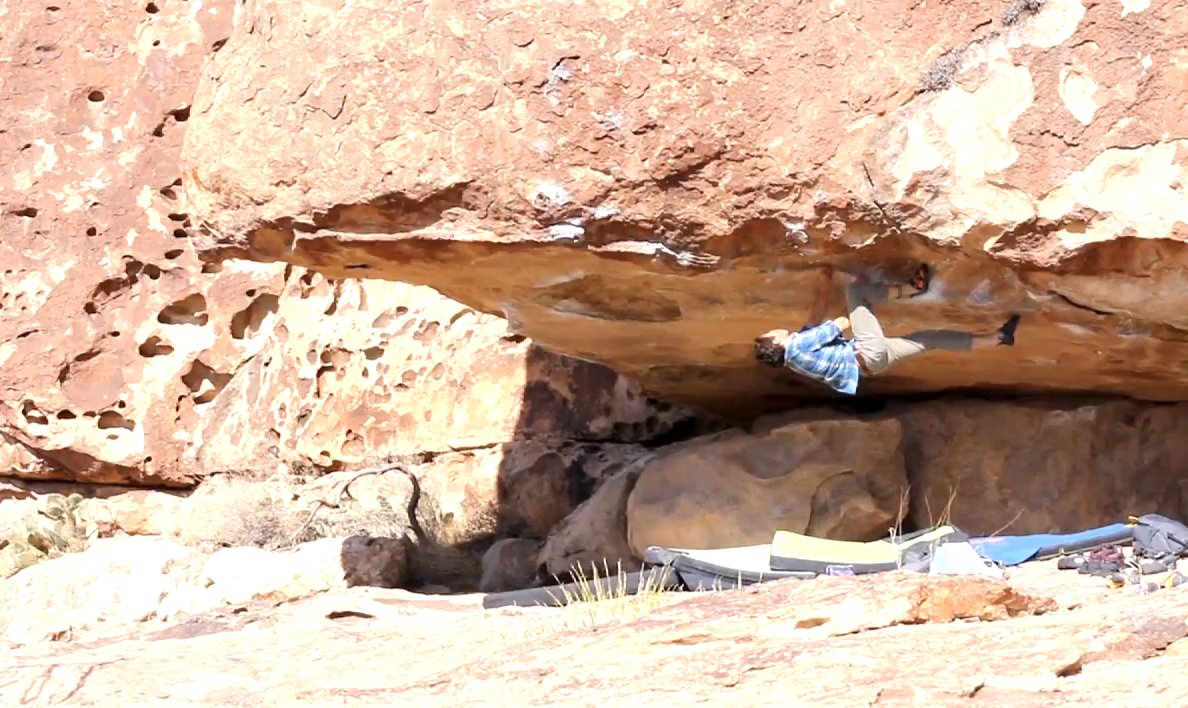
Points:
(821, 351)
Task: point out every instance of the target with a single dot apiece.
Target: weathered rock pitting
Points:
(124, 360)
(649, 188)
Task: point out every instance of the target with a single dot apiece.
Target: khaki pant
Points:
(879, 352)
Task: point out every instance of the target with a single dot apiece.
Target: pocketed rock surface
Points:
(125, 360)
(651, 185)
(1042, 637)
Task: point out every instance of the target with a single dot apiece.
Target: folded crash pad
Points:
(1013, 550)
(797, 552)
(720, 568)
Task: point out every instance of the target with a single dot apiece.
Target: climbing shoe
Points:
(1070, 562)
(1152, 566)
(1006, 333)
(1103, 561)
(920, 280)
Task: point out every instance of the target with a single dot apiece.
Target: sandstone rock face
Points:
(1031, 467)
(832, 478)
(354, 371)
(651, 187)
(521, 490)
(1026, 466)
(594, 537)
(123, 359)
(830, 641)
(103, 324)
(510, 564)
(119, 581)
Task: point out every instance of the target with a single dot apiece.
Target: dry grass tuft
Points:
(603, 599)
(946, 514)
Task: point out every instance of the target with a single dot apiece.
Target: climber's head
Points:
(769, 347)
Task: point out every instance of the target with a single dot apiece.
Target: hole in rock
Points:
(180, 233)
(86, 356)
(66, 415)
(153, 346)
(427, 331)
(96, 96)
(151, 8)
(173, 253)
(190, 310)
(174, 216)
(181, 115)
(250, 320)
(111, 419)
(204, 382)
(209, 268)
(27, 212)
(92, 231)
(33, 414)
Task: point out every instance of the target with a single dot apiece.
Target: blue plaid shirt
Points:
(822, 353)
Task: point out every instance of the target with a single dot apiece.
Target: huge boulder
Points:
(1043, 466)
(650, 186)
(593, 539)
(831, 478)
(125, 360)
(104, 316)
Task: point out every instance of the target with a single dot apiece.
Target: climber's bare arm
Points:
(821, 298)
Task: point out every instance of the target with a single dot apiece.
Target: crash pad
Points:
(798, 552)
(1013, 550)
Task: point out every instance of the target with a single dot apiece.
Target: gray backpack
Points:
(1159, 537)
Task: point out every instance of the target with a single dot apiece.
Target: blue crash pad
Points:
(1013, 550)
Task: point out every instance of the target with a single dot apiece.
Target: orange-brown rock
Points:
(893, 639)
(104, 317)
(593, 538)
(124, 360)
(353, 371)
(650, 185)
(1035, 466)
(1019, 467)
(510, 564)
(830, 478)
(520, 489)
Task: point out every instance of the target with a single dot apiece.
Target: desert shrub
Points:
(55, 526)
(275, 513)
